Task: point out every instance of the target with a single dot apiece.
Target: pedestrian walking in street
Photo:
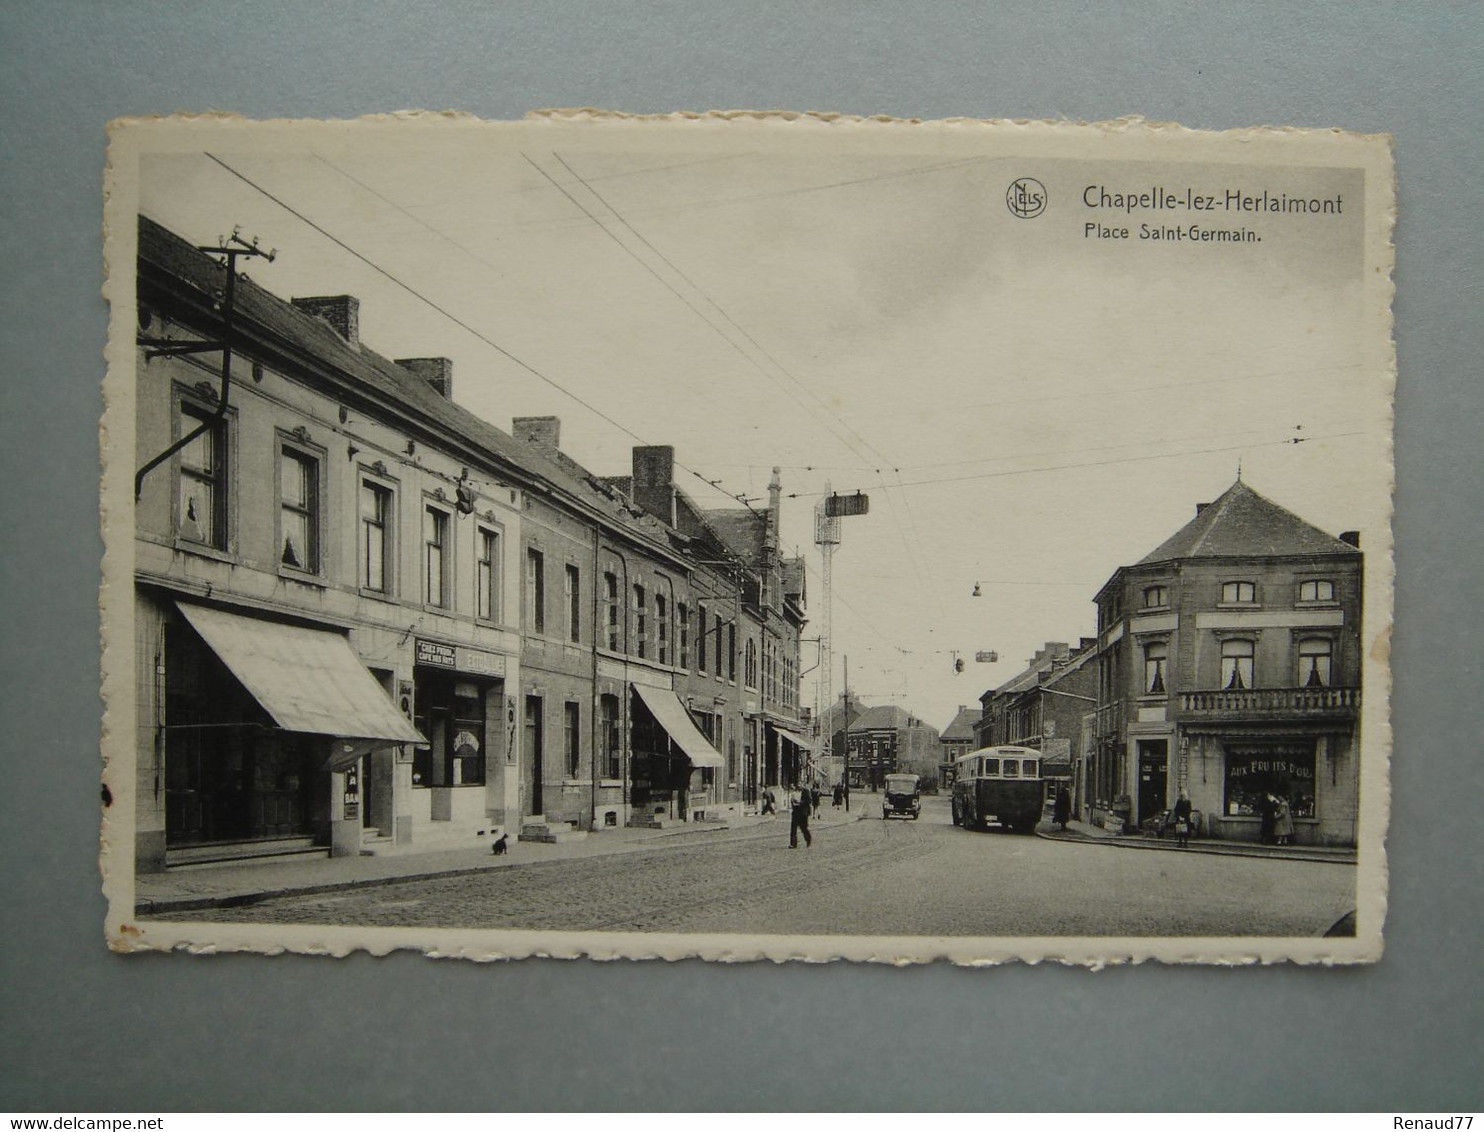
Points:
(839, 793)
(1180, 815)
(1282, 822)
(814, 796)
(769, 805)
(800, 804)
(1061, 809)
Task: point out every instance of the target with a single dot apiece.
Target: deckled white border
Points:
(1135, 139)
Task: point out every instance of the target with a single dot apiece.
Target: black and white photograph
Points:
(742, 537)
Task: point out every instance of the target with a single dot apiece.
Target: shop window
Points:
(1238, 593)
(201, 494)
(610, 599)
(1156, 597)
(611, 735)
(1316, 658)
(451, 714)
(376, 537)
(1316, 589)
(1258, 770)
(299, 509)
(574, 604)
(1236, 663)
(487, 576)
(435, 556)
(535, 605)
(572, 737)
(1156, 657)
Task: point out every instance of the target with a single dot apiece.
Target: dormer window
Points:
(1316, 590)
(1238, 593)
(1156, 597)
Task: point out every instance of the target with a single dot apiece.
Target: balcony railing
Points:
(1271, 701)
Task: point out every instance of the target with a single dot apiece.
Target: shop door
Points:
(1153, 773)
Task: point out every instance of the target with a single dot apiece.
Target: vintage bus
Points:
(998, 786)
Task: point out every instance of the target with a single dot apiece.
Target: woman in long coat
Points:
(1283, 822)
(1061, 808)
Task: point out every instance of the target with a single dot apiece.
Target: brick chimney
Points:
(342, 312)
(1351, 537)
(1199, 507)
(539, 432)
(654, 480)
(437, 372)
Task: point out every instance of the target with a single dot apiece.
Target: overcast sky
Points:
(1028, 407)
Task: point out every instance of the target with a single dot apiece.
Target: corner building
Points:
(1229, 666)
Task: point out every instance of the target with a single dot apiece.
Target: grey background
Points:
(85, 1030)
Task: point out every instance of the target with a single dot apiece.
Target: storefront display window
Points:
(451, 714)
(1254, 770)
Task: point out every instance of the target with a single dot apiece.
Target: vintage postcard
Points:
(747, 536)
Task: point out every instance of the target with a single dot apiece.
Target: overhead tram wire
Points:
(1105, 463)
(457, 321)
(909, 541)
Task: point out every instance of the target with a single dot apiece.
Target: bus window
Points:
(1011, 768)
(991, 766)
(1030, 768)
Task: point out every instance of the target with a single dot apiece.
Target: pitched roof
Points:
(962, 725)
(742, 529)
(1241, 523)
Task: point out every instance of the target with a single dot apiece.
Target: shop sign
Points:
(458, 658)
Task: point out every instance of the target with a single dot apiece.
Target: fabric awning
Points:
(308, 680)
(670, 713)
(794, 737)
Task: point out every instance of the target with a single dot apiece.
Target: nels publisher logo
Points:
(1026, 198)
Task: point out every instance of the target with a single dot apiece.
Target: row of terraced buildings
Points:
(366, 620)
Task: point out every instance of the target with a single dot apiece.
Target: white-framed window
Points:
(610, 601)
(641, 620)
(437, 552)
(572, 736)
(201, 488)
(298, 508)
(1156, 597)
(682, 623)
(573, 583)
(1236, 663)
(749, 664)
(487, 575)
(1316, 662)
(377, 530)
(535, 604)
(661, 628)
(1238, 593)
(1156, 661)
(1316, 589)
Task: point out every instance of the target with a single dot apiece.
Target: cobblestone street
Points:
(871, 877)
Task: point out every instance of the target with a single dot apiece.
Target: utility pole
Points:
(845, 754)
(827, 537)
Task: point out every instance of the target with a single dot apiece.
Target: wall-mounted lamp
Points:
(978, 591)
